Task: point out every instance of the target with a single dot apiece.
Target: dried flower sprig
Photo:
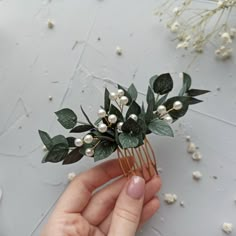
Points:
(123, 131)
(196, 27)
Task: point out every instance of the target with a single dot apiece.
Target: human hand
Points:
(117, 209)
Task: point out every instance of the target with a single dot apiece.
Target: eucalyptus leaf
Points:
(133, 92)
(104, 149)
(163, 84)
(131, 125)
(98, 121)
(57, 153)
(114, 110)
(134, 108)
(47, 141)
(149, 113)
(85, 115)
(67, 118)
(187, 81)
(196, 92)
(107, 100)
(150, 97)
(193, 101)
(160, 127)
(73, 157)
(81, 128)
(71, 141)
(152, 80)
(128, 140)
(59, 139)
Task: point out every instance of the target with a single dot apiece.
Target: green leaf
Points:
(160, 127)
(187, 81)
(193, 101)
(152, 80)
(179, 113)
(134, 108)
(161, 101)
(81, 128)
(133, 92)
(98, 121)
(73, 157)
(114, 110)
(163, 84)
(149, 113)
(107, 100)
(196, 92)
(59, 139)
(143, 125)
(47, 141)
(131, 125)
(57, 153)
(85, 115)
(71, 141)
(143, 108)
(104, 149)
(126, 94)
(128, 140)
(150, 97)
(67, 118)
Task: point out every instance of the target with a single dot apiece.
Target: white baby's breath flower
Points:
(227, 227)
(176, 11)
(183, 44)
(226, 37)
(232, 32)
(220, 4)
(175, 27)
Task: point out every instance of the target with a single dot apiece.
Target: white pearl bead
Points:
(134, 117)
(112, 118)
(71, 176)
(177, 105)
(89, 152)
(101, 113)
(113, 96)
(78, 142)
(119, 126)
(118, 51)
(45, 148)
(120, 93)
(124, 100)
(161, 109)
(88, 138)
(168, 119)
(102, 128)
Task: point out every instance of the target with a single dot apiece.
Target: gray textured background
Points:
(36, 62)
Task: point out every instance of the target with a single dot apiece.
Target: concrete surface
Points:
(70, 64)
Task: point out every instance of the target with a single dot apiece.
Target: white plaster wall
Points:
(36, 62)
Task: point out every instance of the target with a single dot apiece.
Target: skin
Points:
(83, 210)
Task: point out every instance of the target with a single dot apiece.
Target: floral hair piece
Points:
(123, 126)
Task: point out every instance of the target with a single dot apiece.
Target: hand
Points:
(117, 209)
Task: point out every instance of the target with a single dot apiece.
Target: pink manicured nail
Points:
(136, 187)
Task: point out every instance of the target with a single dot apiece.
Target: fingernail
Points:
(136, 187)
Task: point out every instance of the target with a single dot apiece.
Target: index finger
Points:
(80, 190)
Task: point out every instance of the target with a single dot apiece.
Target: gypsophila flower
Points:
(226, 38)
(175, 27)
(204, 25)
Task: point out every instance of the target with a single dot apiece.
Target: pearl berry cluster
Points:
(111, 119)
(161, 110)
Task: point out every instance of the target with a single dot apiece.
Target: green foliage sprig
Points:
(115, 128)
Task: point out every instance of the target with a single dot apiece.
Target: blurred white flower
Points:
(175, 27)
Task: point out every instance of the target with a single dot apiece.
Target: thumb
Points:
(128, 208)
